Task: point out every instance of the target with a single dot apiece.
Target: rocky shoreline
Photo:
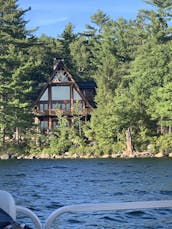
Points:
(124, 155)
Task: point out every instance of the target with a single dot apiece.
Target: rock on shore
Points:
(144, 154)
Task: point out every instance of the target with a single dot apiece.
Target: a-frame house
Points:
(64, 94)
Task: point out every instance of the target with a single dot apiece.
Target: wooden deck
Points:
(53, 112)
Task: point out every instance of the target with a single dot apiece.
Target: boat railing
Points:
(7, 204)
(30, 214)
(55, 215)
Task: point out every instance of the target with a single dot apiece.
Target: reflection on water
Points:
(45, 185)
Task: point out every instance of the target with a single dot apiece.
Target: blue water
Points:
(45, 185)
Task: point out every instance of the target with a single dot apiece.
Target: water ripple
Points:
(47, 185)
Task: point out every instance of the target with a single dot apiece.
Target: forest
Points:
(130, 61)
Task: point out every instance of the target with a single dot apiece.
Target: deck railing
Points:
(68, 112)
(106, 207)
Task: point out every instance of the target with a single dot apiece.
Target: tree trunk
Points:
(129, 143)
(17, 135)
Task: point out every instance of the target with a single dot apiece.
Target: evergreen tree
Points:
(113, 53)
(80, 55)
(46, 50)
(158, 20)
(164, 4)
(15, 68)
(99, 19)
(66, 38)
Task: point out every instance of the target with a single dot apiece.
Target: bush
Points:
(164, 143)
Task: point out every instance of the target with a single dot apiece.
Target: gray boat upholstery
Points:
(7, 203)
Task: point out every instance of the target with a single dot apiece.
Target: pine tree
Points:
(66, 38)
(15, 69)
(157, 21)
(113, 53)
(81, 55)
(164, 4)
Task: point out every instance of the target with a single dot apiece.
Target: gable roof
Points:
(59, 66)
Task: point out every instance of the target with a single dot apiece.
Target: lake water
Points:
(45, 185)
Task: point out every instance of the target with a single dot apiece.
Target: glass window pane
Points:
(45, 96)
(68, 106)
(54, 124)
(43, 106)
(55, 105)
(44, 125)
(63, 106)
(77, 96)
(61, 93)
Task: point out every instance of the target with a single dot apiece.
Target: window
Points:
(67, 106)
(44, 125)
(54, 124)
(43, 106)
(55, 105)
(76, 95)
(44, 97)
(60, 93)
(61, 105)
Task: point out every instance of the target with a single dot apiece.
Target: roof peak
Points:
(58, 62)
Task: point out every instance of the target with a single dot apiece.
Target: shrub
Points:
(164, 143)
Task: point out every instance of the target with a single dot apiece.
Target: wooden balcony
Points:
(70, 112)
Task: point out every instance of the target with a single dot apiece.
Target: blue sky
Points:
(51, 16)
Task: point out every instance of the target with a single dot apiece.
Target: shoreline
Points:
(123, 155)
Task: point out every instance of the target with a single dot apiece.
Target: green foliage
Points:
(80, 55)
(14, 150)
(100, 19)
(160, 3)
(161, 106)
(15, 70)
(63, 139)
(131, 62)
(66, 38)
(164, 144)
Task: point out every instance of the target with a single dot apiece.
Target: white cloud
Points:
(50, 21)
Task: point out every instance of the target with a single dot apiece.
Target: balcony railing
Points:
(70, 112)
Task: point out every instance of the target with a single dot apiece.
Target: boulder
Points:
(160, 154)
(4, 156)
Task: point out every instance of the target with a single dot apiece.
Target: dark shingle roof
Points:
(86, 84)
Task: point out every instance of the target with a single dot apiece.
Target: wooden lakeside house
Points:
(66, 95)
